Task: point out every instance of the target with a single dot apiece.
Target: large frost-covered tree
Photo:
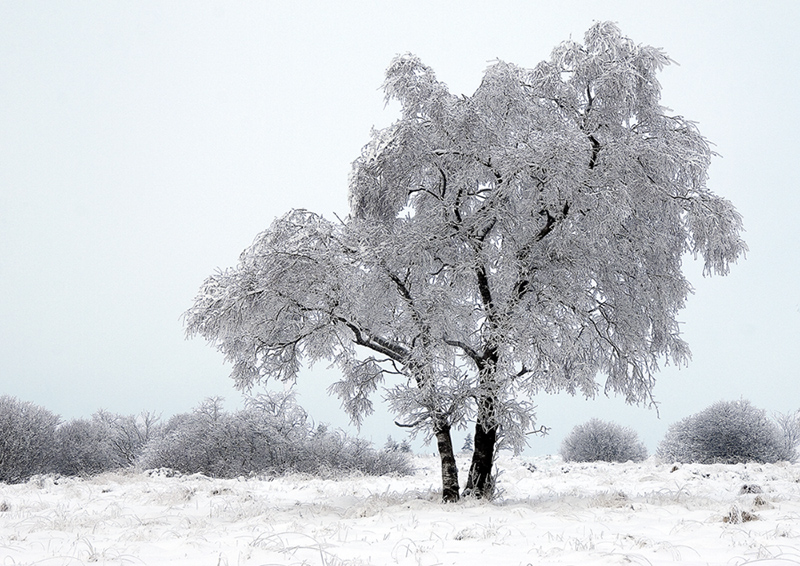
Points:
(552, 209)
(525, 239)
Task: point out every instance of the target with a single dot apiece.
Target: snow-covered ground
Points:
(548, 512)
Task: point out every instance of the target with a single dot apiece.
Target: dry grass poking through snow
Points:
(549, 512)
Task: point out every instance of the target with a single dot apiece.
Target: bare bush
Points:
(334, 451)
(128, 434)
(728, 432)
(104, 442)
(83, 448)
(394, 446)
(598, 440)
(27, 439)
(789, 424)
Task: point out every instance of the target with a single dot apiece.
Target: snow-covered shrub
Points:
(27, 439)
(329, 451)
(83, 448)
(789, 424)
(128, 434)
(104, 442)
(393, 446)
(270, 435)
(208, 440)
(598, 440)
(728, 432)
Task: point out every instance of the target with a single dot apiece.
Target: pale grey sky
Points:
(144, 145)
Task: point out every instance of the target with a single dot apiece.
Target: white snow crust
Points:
(548, 512)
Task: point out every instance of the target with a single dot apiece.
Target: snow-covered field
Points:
(548, 512)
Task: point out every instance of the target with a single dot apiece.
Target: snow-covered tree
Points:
(544, 220)
(525, 239)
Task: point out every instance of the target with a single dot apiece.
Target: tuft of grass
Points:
(737, 515)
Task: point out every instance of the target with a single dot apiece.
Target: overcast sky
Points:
(144, 145)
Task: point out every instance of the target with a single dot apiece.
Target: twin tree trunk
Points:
(479, 480)
(480, 483)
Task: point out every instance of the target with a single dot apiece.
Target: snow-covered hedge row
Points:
(272, 434)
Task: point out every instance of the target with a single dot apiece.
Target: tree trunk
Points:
(449, 468)
(480, 483)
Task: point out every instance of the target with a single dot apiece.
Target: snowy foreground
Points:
(549, 512)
